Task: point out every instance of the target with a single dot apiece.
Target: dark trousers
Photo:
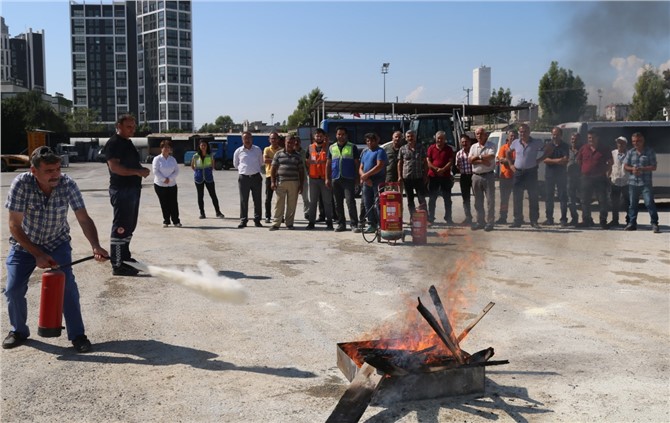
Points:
(439, 185)
(343, 189)
(556, 183)
(594, 186)
(465, 181)
(211, 190)
(526, 180)
(167, 197)
(253, 184)
(268, 197)
(415, 187)
(506, 186)
(370, 196)
(620, 201)
(574, 190)
(126, 204)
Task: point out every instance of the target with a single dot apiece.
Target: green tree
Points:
(83, 119)
(224, 123)
(501, 97)
(649, 97)
(27, 111)
(303, 114)
(562, 95)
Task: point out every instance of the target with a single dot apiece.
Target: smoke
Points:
(205, 281)
(415, 95)
(609, 42)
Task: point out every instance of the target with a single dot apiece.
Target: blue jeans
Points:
(634, 192)
(556, 181)
(20, 265)
(526, 180)
(370, 199)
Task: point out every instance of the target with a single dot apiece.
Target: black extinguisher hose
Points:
(73, 263)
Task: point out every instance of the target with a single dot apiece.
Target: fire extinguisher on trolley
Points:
(50, 322)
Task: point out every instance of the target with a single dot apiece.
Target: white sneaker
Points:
(165, 225)
(178, 225)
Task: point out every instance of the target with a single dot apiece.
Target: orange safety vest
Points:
(317, 161)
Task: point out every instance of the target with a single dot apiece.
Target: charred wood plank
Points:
(440, 333)
(472, 325)
(356, 398)
(446, 324)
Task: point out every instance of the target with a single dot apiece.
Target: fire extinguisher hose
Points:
(73, 263)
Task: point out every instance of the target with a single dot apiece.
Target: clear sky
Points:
(254, 59)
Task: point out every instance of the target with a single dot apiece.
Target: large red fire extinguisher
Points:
(390, 211)
(419, 221)
(51, 304)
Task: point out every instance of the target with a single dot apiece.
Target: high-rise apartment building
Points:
(134, 56)
(481, 85)
(23, 59)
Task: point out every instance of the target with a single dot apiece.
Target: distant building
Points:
(23, 59)
(617, 111)
(134, 56)
(590, 113)
(59, 103)
(481, 84)
(528, 114)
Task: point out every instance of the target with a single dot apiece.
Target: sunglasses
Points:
(43, 151)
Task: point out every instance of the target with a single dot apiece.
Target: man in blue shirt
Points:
(38, 202)
(640, 162)
(372, 172)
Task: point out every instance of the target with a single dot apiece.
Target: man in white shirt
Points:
(248, 159)
(482, 158)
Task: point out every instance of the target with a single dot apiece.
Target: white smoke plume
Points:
(206, 281)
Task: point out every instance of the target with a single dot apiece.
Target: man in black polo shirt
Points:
(125, 183)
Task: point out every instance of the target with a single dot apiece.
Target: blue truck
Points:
(223, 150)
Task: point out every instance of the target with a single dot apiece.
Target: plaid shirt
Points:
(44, 218)
(635, 159)
(462, 163)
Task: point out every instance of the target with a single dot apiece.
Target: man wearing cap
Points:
(38, 202)
(619, 182)
(640, 161)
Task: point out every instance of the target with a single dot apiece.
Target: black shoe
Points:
(340, 228)
(586, 224)
(534, 225)
(329, 225)
(564, 224)
(310, 226)
(604, 225)
(574, 222)
(125, 270)
(220, 215)
(321, 219)
(356, 230)
(655, 229)
(515, 225)
(13, 340)
(242, 225)
(202, 215)
(81, 344)
(274, 228)
(613, 224)
(477, 226)
(630, 227)
(488, 228)
(548, 222)
(267, 220)
(466, 222)
(290, 228)
(501, 221)
(258, 224)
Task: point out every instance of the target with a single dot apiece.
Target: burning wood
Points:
(206, 282)
(474, 322)
(440, 332)
(446, 324)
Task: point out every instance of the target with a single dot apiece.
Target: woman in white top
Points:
(166, 169)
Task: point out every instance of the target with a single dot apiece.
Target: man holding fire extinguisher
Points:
(38, 202)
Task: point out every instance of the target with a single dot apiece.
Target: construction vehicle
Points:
(10, 162)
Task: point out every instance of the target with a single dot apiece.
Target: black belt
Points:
(483, 174)
(249, 176)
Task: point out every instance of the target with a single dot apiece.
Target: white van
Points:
(500, 137)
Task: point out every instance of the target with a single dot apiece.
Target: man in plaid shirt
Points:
(38, 202)
(640, 161)
(465, 180)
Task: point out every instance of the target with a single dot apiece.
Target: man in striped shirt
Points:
(288, 177)
(465, 180)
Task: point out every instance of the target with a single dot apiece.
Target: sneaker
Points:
(356, 230)
(309, 226)
(488, 228)
(564, 224)
(501, 221)
(165, 225)
(477, 226)
(258, 224)
(220, 215)
(124, 270)
(548, 222)
(630, 227)
(466, 222)
(655, 229)
(340, 228)
(178, 225)
(534, 225)
(81, 344)
(13, 340)
(274, 228)
(202, 215)
(242, 225)
(267, 220)
(370, 229)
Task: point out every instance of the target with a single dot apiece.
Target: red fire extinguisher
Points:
(51, 304)
(390, 208)
(50, 323)
(419, 220)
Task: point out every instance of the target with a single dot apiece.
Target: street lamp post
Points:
(272, 119)
(385, 70)
(600, 98)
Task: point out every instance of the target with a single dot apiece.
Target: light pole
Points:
(600, 98)
(385, 70)
(272, 119)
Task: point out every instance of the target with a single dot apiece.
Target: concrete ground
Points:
(583, 316)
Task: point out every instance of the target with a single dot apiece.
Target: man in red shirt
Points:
(440, 158)
(595, 163)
